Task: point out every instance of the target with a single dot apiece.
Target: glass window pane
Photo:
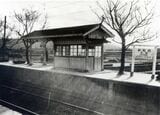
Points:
(73, 50)
(80, 46)
(58, 50)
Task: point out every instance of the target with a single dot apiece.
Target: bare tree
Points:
(129, 21)
(1, 31)
(27, 20)
(6, 31)
(5, 34)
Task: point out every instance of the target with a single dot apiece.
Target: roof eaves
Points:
(92, 30)
(52, 36)
(107, 31)
(99, 26)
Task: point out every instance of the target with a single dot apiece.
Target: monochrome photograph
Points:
(79, 57)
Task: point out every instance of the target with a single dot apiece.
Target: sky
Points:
(62, 13)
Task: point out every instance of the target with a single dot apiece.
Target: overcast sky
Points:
(60, 12)
(66, 12)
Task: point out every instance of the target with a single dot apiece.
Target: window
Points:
(62, 50)
(58, 51)
(81, 50)
(98, 51)
(73, 50)
(91, 52)
(65, 50)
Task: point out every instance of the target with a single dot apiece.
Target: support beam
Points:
(102, 57)
(30, 53)
(154, 63)
(86, 60)
(43, 45)
(54, 54)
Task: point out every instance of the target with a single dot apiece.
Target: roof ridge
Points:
(75, 26)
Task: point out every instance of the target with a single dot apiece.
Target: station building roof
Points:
(82, 30)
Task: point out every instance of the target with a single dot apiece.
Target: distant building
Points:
(77, 48)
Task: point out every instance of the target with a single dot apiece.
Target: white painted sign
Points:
(144, 53)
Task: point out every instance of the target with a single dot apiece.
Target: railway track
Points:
(48, 100)
(18, 108)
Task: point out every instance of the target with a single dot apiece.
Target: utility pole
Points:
(4, 34)
(4, 48)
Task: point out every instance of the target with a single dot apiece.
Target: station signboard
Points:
(144, 53)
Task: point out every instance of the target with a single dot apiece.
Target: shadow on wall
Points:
(103, 96)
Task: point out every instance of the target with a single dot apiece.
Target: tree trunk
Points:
(123, 52)
(46, 54)
(27, 55)
(3, 43)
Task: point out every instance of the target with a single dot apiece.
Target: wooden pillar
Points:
(30, 53)
(154, 63)
(86, 60)
(43, 44)
(102, 57)
(54, 54)
(44, 55)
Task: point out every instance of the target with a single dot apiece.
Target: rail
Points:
(18, 107)
(57, 101)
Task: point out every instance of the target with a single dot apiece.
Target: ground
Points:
(6, 111)
(138, 77)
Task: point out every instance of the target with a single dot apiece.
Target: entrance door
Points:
(97, 59)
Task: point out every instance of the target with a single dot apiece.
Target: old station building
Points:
(77, 48)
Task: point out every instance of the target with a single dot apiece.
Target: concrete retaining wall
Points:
(91, 96)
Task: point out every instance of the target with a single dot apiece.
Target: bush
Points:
(18, 61)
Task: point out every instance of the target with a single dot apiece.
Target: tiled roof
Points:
(63, 31)
(66, 31)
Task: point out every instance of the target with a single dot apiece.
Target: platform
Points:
(138, 78)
